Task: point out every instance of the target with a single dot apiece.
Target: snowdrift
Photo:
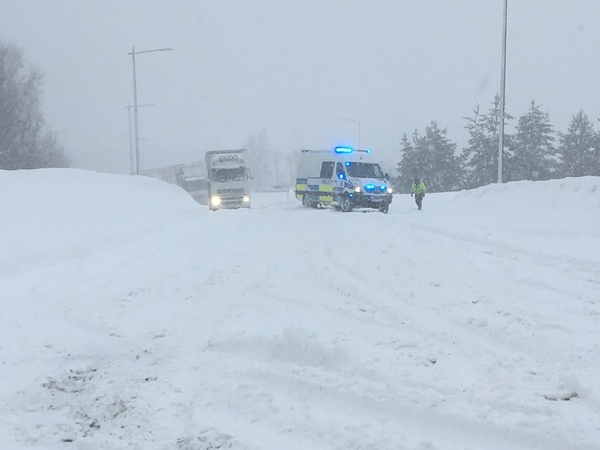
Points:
(132, 317)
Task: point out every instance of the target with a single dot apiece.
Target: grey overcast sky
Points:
(294, 67)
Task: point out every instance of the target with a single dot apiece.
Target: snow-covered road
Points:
(133, 318)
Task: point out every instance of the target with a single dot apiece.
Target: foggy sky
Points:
(294, 68)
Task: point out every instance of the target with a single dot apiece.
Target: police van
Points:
(344, 178)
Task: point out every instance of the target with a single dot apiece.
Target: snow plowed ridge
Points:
(564, 205)
(553, 194)
(134, 318)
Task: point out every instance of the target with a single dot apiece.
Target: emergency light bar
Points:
(347, 150)
(343, 149)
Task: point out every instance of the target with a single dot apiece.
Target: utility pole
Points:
(131, 160)
(135, 104)
(502, 95)
(132, 157)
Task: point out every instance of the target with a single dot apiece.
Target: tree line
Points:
(24, 142)
(533, 152)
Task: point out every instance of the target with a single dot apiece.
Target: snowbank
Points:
(132, 317)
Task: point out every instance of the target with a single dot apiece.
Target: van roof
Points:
(331, 155)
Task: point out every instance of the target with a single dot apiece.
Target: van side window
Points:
(339, 171)
(326, 169)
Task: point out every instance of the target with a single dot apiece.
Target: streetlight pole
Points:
(357, 122)
(135, 104)
(502, 95)
(132, 159)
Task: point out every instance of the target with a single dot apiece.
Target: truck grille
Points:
(231, 191)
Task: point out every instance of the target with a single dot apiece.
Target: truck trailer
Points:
(192, 178)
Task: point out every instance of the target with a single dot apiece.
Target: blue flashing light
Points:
(382, 187)
(341, 175)
(347, 163)
(369, 187)
(344, 150)
(368, 150)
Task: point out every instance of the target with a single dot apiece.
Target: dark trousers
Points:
(419, 200)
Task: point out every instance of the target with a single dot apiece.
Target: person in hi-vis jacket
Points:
(418, 190)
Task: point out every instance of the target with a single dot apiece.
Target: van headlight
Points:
(357, 189)
(246, 199)
(389, 190)
(215, 200)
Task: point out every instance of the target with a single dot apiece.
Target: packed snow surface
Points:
(134, 318)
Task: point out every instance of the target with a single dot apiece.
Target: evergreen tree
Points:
(579, 148)
(534, 154)
(432, 158)
(408, 165)
(480, 158)
(23, 142)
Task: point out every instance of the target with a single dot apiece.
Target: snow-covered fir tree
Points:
(580, 148)
(480, 157)
(533, 151)
(431, 157)
(408, 165)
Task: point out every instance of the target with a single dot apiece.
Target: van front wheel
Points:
(346, 204)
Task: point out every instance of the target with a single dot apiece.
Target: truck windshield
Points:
(238, 173)
(363, 170)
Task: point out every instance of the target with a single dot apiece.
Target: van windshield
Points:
(363, 170)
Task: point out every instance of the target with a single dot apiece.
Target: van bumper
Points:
(360, 200)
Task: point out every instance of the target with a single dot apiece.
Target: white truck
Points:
(344, 178)
(228, 179)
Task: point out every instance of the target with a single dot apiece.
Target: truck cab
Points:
(227, 177)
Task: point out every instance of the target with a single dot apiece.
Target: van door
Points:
(340, 181)
(326, 181)
(340, 173)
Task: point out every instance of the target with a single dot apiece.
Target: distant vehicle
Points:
(192, 178)
(228, 179)
(344, 178)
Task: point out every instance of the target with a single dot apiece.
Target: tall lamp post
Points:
(357, 122)
(135, 104)
(131, 155)
(502, 95)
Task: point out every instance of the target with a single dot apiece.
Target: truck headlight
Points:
(357, 189)
(389, 190)
(215, 200)
(246, 199)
